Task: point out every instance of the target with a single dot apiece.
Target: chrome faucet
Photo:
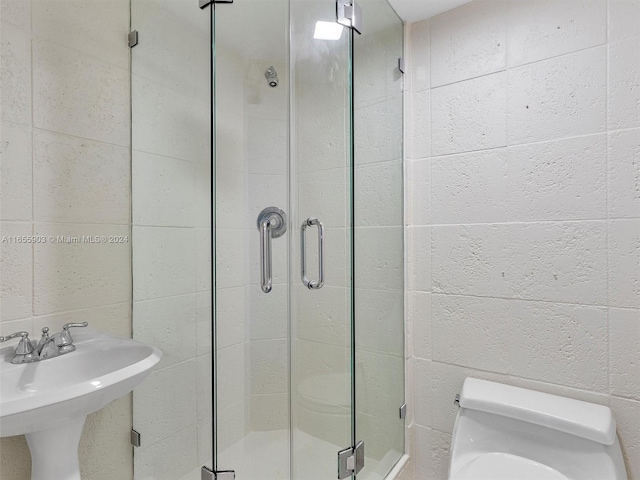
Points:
(48, 346)
(24, 351)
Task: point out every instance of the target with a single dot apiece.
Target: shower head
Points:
(272, 76)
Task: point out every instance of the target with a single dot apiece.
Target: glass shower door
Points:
(282, 169)
(321, 200)
(251, 85)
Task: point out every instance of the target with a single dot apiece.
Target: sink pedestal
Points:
(54, 452)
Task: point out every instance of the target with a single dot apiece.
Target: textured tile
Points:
(79, 181)
(265, 317)
(15, 172)
(420, 51)
(16, 263)
(376, 64)
(624, 173)
(420, 258)
(164, 262)
(176, 123)
(380, 258)
(204, 389)
(559, 180)
(111, 319)
(421, 125)
(325, 315)
(468, 42)
(471, 331)
(15, 458)
(70, 276)
(267, 146)
(15, 76)
(470, 115)
(170, 458)
(202, 200)
(7, 327)
(162, 411)
(378, 195)
(624, 352)
(562, 262)
(422, 392)
(203, 259)
(204, 321)
(624, 18)
(269, 366)
(162, 23)
(418, 192)
(231, 316)
(542, 29)
(624, 263)
(420, 315)
(94, 27)
(381, 314)
(379, 127)
(269, 412)
(163, 190)
(232, 366)
(106, 438)
(379, 384)
(470, 187)
(324, 139)
(560, 344)
(168, 324)
(432, 454)
(558, 98)
(624, 84)
(122, 470)
(16, 13)
(627, 413)
(77, 94)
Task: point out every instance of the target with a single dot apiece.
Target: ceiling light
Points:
(327, 31)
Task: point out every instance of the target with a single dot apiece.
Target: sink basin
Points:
(49, 400)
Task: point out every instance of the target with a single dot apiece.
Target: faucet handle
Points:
(24, 347)
(74, 325)
(65, 339)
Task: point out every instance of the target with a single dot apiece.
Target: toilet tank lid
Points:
(581, 419)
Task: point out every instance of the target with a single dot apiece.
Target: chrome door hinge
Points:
(135, 438)
(350, 461)
(401, 64)
(133, 39)
(403, 411)
(208, 474)
(349, 14)
(206, 3)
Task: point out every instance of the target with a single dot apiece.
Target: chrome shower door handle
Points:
(312, 284)
(265, 256)
(272, 223)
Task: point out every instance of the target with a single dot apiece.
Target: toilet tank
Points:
(574, 437)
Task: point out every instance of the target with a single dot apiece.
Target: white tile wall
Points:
(16, 172)
(65, 166)
(523, 210)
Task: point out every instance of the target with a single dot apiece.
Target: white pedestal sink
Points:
(48, 401)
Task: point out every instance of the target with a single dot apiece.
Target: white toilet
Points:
(510, 433)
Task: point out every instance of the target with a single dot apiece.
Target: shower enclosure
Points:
(268, 238)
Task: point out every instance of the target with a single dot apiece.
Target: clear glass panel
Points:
(171, 154)
(321, 166)
(251, 174)
(379, 247)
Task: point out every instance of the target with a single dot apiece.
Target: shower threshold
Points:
(269, 455)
